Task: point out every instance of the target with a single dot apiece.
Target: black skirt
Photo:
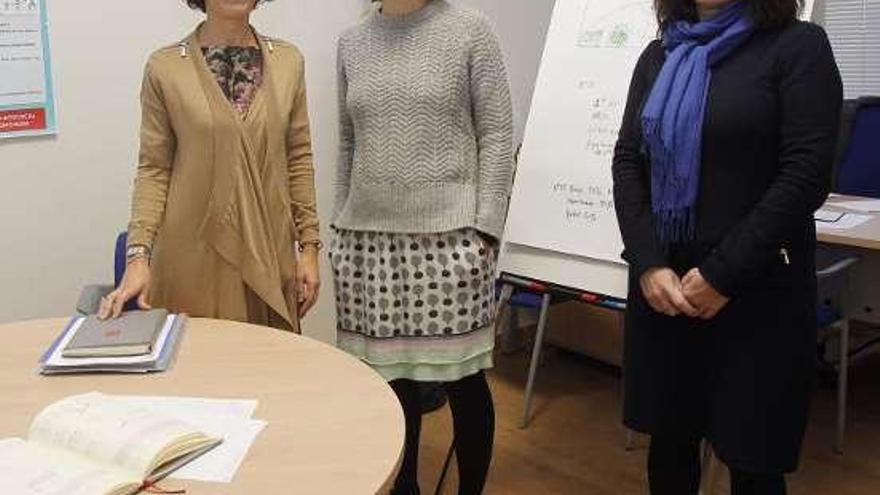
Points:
(743, 381)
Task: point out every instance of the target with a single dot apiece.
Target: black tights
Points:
(473, 418)
(674, 469)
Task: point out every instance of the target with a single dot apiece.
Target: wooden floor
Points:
(575, 444)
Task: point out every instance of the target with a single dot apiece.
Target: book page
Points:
(229, 419)
(110, 432)
(28, 469)
(221, 464)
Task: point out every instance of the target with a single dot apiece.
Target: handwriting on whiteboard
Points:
(584, 204)
(603, 119)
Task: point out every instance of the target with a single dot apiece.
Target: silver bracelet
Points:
(137, 252)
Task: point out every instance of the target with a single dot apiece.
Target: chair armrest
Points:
(90, 298)
(837, 268)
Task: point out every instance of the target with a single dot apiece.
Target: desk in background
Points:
(864, 236)
(863, 300)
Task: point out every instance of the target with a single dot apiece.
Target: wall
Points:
(62, 199)
(522, 26)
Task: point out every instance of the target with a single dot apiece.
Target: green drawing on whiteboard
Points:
(616, 26)
(619, 36)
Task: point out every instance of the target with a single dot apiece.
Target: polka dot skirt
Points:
(410, 286)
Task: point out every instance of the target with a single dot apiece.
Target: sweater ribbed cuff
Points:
(428, 208)
(491, 215)
(340, 197)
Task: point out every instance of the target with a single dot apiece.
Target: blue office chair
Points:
(119, 261)
(90, 297)
(857, 173)
(834, 340)
(119, 258)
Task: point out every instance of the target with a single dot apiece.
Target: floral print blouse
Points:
(239, 72)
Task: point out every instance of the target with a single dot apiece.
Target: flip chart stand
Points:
(550, 294)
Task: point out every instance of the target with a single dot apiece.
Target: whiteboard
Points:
(595, 276)
(562, 222)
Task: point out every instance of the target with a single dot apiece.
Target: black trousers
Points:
(473, 418)
(674, 469)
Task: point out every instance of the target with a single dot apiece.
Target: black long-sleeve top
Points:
(768, 142)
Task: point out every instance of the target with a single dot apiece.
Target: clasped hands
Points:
(691, 295)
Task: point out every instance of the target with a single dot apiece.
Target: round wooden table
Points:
(335, 427)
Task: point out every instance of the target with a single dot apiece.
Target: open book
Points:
(95, 444)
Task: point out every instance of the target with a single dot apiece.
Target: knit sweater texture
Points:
(426, 125)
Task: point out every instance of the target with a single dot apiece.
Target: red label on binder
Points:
(26, 119)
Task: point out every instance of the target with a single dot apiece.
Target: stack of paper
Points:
(230, 420)
(829, 221)
(159, 359)
(864, 205)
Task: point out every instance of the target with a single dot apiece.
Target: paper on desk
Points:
(220, 464)
(186, 407)
(229, 419)
(845, 221)
(866, 206)
(828, 216)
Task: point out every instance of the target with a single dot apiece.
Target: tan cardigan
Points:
(219, 198)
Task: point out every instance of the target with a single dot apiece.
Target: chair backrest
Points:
(858, 172)
(119, 262)
(847, 119)
(119, 258)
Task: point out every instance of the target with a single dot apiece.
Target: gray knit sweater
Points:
(426, 124)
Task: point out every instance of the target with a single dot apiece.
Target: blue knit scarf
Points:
(672, 120)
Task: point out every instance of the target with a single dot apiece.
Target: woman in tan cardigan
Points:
(225, 185)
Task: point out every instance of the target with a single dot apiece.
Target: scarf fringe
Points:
(675, 216)
(676, 226)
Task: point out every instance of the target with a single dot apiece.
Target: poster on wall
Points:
(27, 103)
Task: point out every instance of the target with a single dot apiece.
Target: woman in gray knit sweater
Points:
(425, 170)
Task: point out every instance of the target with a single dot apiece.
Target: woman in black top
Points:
(724, 154)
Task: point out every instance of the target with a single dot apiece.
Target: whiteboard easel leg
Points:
(630, 442)
(536, 357)
(842, 384)
(507, 333)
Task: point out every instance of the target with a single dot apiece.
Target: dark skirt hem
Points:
(735, 462)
